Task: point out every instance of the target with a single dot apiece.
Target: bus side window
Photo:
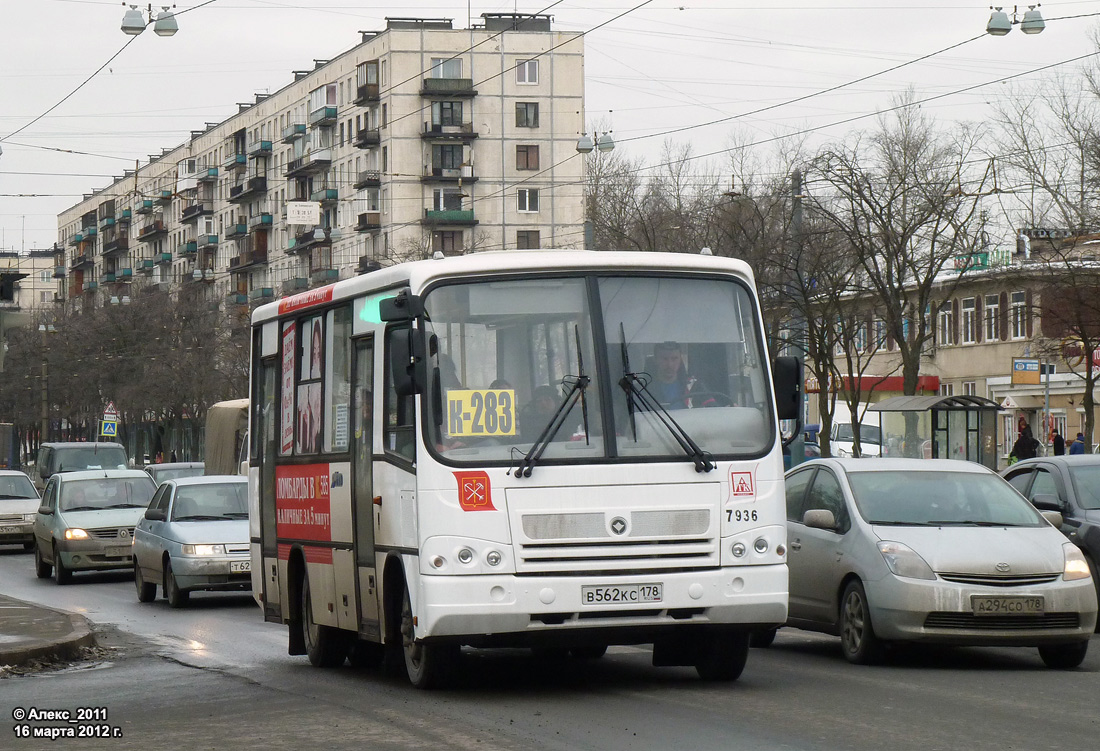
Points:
(400, 413)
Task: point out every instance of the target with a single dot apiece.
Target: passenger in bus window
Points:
(315, 351)
(537, 414)
(672, 385)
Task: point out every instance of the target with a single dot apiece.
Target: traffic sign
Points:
(110, 413)
(109, 428)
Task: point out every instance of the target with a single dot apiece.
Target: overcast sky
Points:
(660, 66)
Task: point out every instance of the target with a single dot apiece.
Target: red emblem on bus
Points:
(474, 491)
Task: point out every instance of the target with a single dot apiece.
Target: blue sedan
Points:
(193, 537)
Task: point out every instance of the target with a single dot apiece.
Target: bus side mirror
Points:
(407, 362)
(787, 381)
(405, 306)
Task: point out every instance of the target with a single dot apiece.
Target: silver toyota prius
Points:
(935, 551)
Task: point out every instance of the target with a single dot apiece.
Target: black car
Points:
(1071, 485)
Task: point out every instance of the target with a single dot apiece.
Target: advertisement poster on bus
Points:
(287, 423)
(302, 502)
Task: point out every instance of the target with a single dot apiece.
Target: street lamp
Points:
(45, 329)
(602, 144)
(1000, 24)
(133, 22)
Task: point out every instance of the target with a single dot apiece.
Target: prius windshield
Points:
(665, 363)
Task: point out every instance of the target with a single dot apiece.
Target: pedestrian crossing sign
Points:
(109, 428)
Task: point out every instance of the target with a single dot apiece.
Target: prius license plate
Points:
(1015, 605)
(240, 567)
(621, 594)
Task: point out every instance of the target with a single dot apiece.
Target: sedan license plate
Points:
(10, 530)
(621, 594)
(992, 605)
(118, 551)
(240, 567)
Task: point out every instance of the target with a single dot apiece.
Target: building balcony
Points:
(449, 175)
(461, 132)
(107, 221)
(311, 238)
(258, 149)
(91, 285)
(144, 206)
(233, 231)
(236, 298)
(323, 276)
(116, 246)
(325, 196)
(370, 221)
(146, 265)
(367, 139)
(297, 284)
(262, 293)
(367, 264)
(208, 175)
(448, 87)
(260, 222)
(58, 272)
(164, 197)
(366, 93)
(454, 217)
(293, 131)
(76, 239)
(125, 275)
(107, 277)
(188, 248)
(193, 211)
(370, 178)
(125, 216)
(162, 258)
(315, 161)
(323, 116)
(235, 162)
(151, 230)
(248, 190)
(248, 260)
(207, 242)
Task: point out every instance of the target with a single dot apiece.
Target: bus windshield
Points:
(515, 361)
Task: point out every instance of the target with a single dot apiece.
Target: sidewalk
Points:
(32, 632)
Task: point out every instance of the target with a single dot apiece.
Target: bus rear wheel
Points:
(325, 646)
(427, 664)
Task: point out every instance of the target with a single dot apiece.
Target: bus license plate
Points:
(991, 605)
(240, 567)
(619, 594)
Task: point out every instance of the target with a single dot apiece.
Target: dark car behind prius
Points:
(1069, 485)
(73, 456)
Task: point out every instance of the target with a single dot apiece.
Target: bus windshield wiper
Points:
(575, 393)
(636, 389)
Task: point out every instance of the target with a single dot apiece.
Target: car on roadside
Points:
(86, 521)
(19, 503)
(931, 551)
(194, 536)
(72, 456)
(1070, 485)
(174, 470)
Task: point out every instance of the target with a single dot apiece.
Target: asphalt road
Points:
(216, 676)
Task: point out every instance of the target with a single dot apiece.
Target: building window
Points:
(527, 72)
(969, 320)
(945, 325)
(992, 317)
(446, 242)
(528, 200)
(947, 389)
(1019, 315)
(449, 199)
(878, 328)
(970, 388)
(443, 67)
(446, 113)
(446, 156)
(527, 239)
(527, 114)
(527, 157)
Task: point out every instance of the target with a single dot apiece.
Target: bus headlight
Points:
(465, 555)
(493, 557)
(761, 545)
(437, 561)
(738, 549)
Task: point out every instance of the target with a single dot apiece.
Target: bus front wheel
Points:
(428, 665)
(723, 656)
(325, 646)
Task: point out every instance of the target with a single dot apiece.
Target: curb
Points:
(65, 648)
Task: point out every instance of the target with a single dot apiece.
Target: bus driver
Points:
(671, 385)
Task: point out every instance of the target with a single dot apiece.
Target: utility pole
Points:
(795, 344)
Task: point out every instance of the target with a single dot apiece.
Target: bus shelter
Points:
(939, 427)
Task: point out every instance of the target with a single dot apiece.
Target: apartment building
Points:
(422, 138)
(1002, 311)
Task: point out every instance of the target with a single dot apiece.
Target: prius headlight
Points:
(904, 561)
(1076, 567)
(203, 549)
